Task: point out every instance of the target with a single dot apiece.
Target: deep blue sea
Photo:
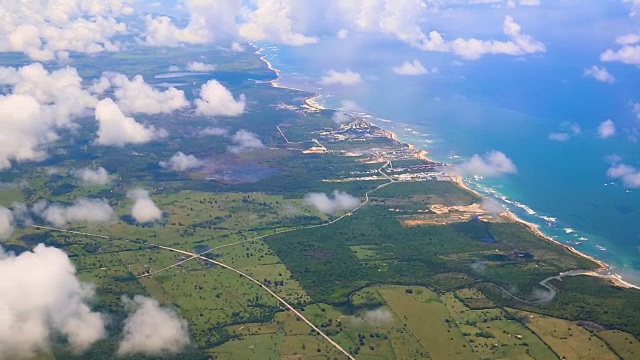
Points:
(510, 105)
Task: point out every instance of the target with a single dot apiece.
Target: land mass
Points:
(416, 268)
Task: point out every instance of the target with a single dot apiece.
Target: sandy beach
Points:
(613, 278)
(603, 267)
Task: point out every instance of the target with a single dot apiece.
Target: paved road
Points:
(69, 231)
(281, 300)
(544, 283)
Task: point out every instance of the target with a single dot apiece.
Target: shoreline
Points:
(614, 278)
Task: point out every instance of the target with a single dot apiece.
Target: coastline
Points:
(613, 278)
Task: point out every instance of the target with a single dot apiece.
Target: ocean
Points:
(510, 105)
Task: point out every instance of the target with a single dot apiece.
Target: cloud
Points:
(197, 66)
(573, 130)
(226, 21)
(529, 2)
(628, 39)
(542, 295)
(347, 77)
(7, 223)
(635, 6)
(300, 23)
(600, 74)
(144, 210)
(46, 30)
(25, 132)
(518, 44)
(245, 140)
(628, 54)
(90, 177)
(216, 100)
(491, 164)
(413, 68)
(492, 206)
(235, 47)
(59, 92)
(213, 131)
(378, 316)
(479, 267)
(559, 136)
(114, 128)
(152, 329)
(350, 105)
(507, 3)
(340, 117)
(40, 296)
(160, 31)
(272, 21)
(82, 210)
(629, 175)
(37, 103)
(21, 214)
(635, 107)
(136, 96)
(341, 201)
(607, 129)
(181, 162)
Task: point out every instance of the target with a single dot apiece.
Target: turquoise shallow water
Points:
(510, 105)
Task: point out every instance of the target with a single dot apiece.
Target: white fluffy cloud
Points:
(6, 223)
(45, 30)
(295, 22)
(518, 44)
(40, 295)
(25, 132)
(340, 201)
(144, 210)
(491, 164)
(272, 21)
(505, 3)
(627, 54)
(197, 66)
(628, 39)
(217, 100)
(412, 68)
(152, 329)
(89, 177)
(38, 102)
(226, 21)
(83, 210)
(607, 129)
(629, 175)
(573, 129)
(563, 136)
(114, 128)
(136, 96)
(245, 140)
(600, 74)
(213, 131)
(181, 162)
(347, 77)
